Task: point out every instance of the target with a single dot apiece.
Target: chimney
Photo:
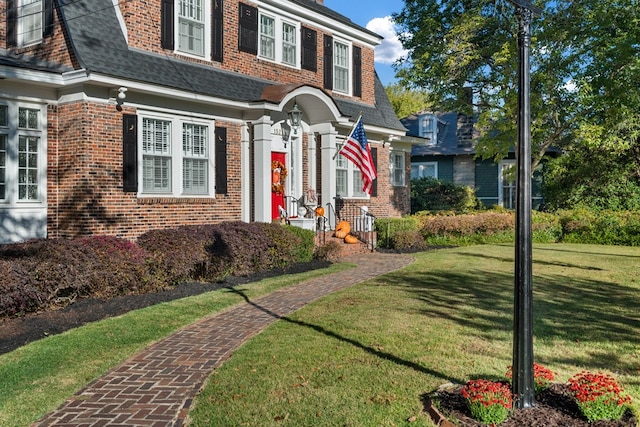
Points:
(320, 1)
(465, 131)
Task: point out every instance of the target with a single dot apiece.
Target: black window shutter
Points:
(166, 18)
(11, 23)
(357, 71)
(309, 49)
(130, 153)
(48, 18)
(374, 185)
(216, 31)
(328, 62)
(248, 29)
(221, 160)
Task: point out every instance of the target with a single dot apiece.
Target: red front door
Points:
(278, 179)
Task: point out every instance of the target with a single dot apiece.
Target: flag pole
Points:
(350, 133)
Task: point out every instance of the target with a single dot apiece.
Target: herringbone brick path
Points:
(156, 387)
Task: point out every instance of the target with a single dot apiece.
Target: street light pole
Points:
(522, 368)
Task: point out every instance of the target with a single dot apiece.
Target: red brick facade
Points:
(85, 191)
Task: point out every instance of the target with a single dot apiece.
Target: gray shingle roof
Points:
(447, 143)
(100, 47)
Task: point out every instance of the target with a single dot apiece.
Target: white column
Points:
(328, 134)
(262, 168)
(245, 174)
(311, 165)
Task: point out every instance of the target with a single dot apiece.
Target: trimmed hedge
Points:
(498, 226)
(48, 273)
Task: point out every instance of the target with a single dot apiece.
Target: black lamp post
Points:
(522, 368)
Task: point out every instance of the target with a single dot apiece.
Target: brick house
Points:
(117, 117)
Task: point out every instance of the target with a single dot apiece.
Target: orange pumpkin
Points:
(340, 234)
(343, 226)
(319, 211)
(350, 238)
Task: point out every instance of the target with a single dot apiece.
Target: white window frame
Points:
(418, 170)
(342, 67)
(23, 157)
(178, 153)
(30, 22)
(204, 20)
(429, 128)
(348, 178)
(508, 184)
(397, 168)
(276, 51)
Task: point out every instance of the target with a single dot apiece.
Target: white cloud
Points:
(390, 49)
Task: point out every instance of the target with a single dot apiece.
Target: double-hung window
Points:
(278, 40)
(348, 178)
(396, 163)
(192, 26)
(176, 157)
(156, 157)
(29, 29)
(195, 160)
(341, 67)
(21, 154)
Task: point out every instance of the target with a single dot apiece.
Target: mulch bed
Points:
(19, 331)
(554, 408)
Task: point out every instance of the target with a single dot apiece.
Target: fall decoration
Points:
(599, 396)
(344, 226)
(350, 238)
(340, 234)
(488, 401)
(278, 176)
(319, 211)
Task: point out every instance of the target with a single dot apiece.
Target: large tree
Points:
(406, 101)
(585, 69)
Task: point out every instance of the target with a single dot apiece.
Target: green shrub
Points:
(408, 241)
(600, 227)
(330, 251)
(303, 252)
(386, 228)
(430, 194)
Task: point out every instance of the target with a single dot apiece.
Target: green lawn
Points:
(366, 355)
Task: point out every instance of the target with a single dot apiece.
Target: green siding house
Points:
(448, 154)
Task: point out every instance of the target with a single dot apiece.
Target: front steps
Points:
(346, 249)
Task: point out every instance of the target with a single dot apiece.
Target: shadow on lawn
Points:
(371, 350)
(580, 310)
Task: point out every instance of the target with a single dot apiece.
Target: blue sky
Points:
(371, 14)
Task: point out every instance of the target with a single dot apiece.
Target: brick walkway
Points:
(156, 386)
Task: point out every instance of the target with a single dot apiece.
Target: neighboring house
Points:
(447, 152)
(117, 117)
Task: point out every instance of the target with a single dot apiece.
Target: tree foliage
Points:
(406, 101)
(585, 69)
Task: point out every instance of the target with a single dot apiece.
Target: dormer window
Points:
(29, 22)
(191, 26)
(340, 67)
(278, 41)
(429, 128)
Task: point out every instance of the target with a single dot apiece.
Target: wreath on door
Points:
(278, 176)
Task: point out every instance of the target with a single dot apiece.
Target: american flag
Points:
(356, 149)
